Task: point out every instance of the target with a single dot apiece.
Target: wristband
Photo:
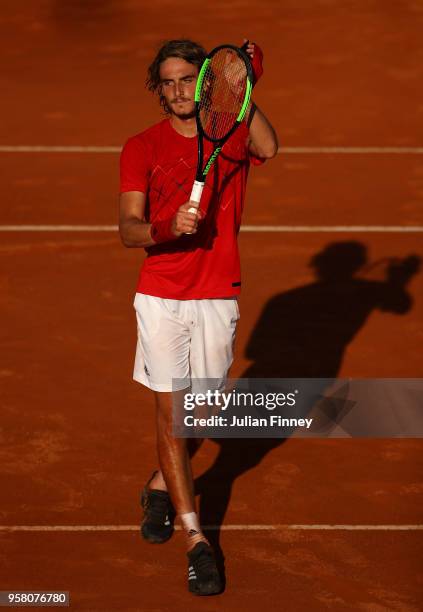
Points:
(257, 64)
(161, 231)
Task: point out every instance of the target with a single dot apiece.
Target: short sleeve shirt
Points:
(162, 163)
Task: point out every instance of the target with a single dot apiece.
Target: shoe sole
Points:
(154, 539)
(207, 589)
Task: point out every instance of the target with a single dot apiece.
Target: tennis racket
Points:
(222, 95)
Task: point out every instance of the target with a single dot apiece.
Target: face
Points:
(178, 79)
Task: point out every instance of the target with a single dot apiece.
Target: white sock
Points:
(192, 528)
(190, 523)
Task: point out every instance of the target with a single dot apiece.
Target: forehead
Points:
(175, 68)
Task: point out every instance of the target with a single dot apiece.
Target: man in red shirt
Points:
(186, 302)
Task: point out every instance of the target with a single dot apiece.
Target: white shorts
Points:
(183, 339)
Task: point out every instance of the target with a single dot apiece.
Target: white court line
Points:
(353, 150)
(58, 228)
(404, 229)
(81, 528)
(332, 228)
(283, 150)
(58, 149)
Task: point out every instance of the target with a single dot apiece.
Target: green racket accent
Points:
(211, 160)
(200, 80)
(246, 101)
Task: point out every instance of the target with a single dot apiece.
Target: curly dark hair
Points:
(185, 49)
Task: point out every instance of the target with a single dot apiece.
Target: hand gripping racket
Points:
(222, 95)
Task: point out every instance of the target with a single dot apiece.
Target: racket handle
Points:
(195, 197)
(197, 190)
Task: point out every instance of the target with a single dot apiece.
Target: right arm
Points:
(136, 232)
(133, 229)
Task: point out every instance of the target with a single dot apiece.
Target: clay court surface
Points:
(311, 524)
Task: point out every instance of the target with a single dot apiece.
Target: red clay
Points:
(77, 435)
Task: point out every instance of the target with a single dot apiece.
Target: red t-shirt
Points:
(162, 163)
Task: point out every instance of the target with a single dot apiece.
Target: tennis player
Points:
(186, 300)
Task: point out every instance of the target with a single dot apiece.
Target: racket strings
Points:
(223, 93)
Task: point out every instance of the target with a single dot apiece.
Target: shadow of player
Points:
(303, 333)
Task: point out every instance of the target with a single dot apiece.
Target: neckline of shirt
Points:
(170, 126)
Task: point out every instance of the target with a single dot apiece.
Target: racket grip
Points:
(197, 190)
(195, 197)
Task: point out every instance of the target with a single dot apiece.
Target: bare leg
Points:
(173, 457)
(158, 482)
(175, 467)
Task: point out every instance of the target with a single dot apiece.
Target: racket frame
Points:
(201, 174)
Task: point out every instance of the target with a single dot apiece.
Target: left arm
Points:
(263, 141)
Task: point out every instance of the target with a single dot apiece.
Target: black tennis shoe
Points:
(159, 515)
(203, 575)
